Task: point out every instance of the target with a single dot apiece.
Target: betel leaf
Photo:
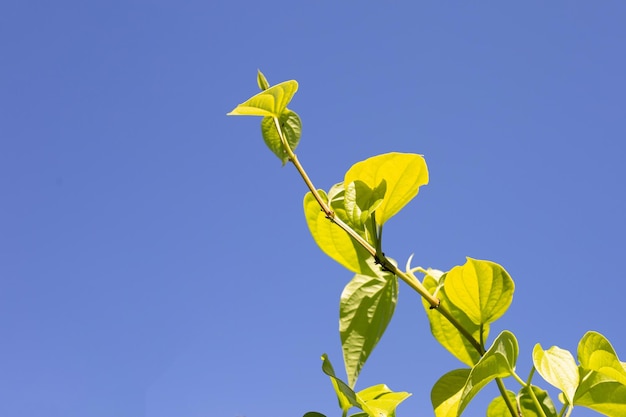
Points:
(262, 81)
(291, 127)
(345, 394)
(527, 403)
(366, 307)
(270, 102)
(498, 408)
(441, 328)
(337, 201)
(482, 289)
(447, 391)
(404, 173)
(333, 240)
(498, 362)
(596, 353)
(380, 401)
(558, 367)
(601, 393)
(360, 200)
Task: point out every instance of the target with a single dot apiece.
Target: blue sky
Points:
(154, 259)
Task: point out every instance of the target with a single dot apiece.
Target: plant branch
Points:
(506, 398)
(409, 279)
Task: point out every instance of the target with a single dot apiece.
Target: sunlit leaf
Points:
(291, 127)
(262, 81)
(498, 408)
(558, 367)
(596, 353)
(380, 401)
(270, 102)
(498, 362)
(338, 202)
(345, 394)
(527, 404)
(333, 240)
(482, 289)
(447, 391)
(404, 174)
(366, 307)
(360, 200)
(601, 393)
(444, 331)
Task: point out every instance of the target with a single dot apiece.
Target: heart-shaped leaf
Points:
(404, 173)
(366, 307)
(482, 289)
(558, 367)
(601, 393)
(333, 240)
(444, 331)
(498, 408)
(498, 362)
(291, 127)
(270, 102)
(527, 403)
(447, 392)
(596, 353)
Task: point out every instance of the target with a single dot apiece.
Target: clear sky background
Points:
(154, 258)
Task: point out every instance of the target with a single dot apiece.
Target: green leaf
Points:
(498, 408)
(596, 353)
(498, 362)
(337, 202)
(602, 394)
(447, 391)
(262, 81)
(527, 405)
(366, 307)
(482, 289)
(360, 200)
(313, 414)
(270, 102)
(333, 240)
(444, 331)
(345, 394)
(404, 174)
(558, 367)
(380, 401)
(291, 127)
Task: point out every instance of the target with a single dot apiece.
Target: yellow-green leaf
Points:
(447, 392)
(262, 81)
(482, 289)
(498, 362)
(380, 401)
(445, 333)
(403, 172)
(366, 307)
(498, 408)
(602, 394)
(527, 404)
(346, 397)
(270, 102)
(558, 367)
(596, 353)
(333, 240)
